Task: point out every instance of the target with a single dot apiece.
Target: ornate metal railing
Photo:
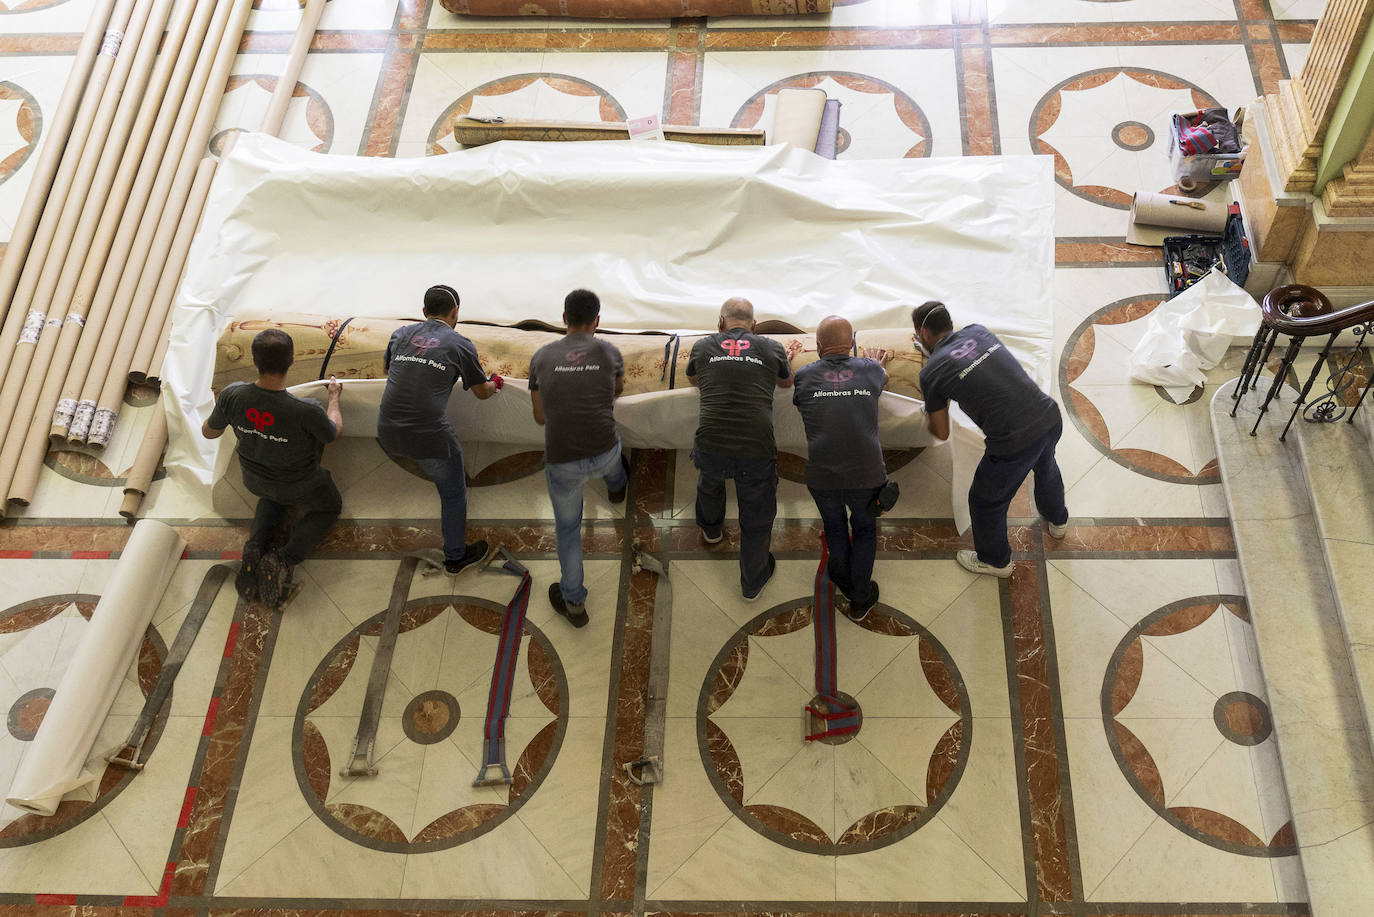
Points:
(1301, 312)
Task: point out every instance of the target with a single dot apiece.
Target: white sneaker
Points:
(708, 539)
(970, 562)
(1056, 532)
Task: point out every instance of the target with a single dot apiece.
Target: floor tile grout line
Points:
(1018, 733)
(1056, 695)
(155, 886)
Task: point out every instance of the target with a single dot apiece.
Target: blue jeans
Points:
(756, 491)
(995, 483)
(565, 481)
(451, 481)
(851, 534)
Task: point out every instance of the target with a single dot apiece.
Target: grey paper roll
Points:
(1154, 216)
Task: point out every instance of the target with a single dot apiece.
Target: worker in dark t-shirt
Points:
(280, 440)
(838, 400)
(736, 372)
(574, 382)
(423, 363)
(1020, 424)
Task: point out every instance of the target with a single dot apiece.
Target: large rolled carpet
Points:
(635, 9)
(658, 409)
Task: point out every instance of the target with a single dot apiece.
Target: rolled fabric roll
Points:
(1154, 216)
(635, 9)
(54, 763)
(797, 117)
(353, 348)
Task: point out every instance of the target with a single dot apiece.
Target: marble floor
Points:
(1090, 737)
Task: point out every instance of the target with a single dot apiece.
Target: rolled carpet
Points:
(635, 9)
(353, 348)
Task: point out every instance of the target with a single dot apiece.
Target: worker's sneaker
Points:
(970, 562)
(1057, 532)
(473, 553)
(859, 610)
(772, 566)
(712, 539)
(618, 496)
(246, 580)
(575, 612)
(274, 579)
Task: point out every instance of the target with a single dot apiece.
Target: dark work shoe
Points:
(618, 496)
(246, 580)
(859, 610)
(772, 566)
(473, 553)
(274, 578)
(575, 612)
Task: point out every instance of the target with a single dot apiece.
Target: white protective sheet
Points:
(664, 232)
(57, 761)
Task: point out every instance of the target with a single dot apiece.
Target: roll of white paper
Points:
(55, 762)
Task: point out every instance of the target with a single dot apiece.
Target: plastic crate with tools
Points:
(1187, 259)
(1206, 146)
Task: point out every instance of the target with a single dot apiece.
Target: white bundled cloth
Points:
(1190, 333)
(55, 763)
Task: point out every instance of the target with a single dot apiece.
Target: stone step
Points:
(1321, 725)
(1338, 464)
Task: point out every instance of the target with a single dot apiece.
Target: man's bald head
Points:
(737, 312)
(834, 335)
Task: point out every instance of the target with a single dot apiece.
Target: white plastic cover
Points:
(664, 232)
(1190, 333)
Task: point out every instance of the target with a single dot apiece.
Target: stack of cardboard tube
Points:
(98, 250)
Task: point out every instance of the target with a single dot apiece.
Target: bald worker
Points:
(838, 400)
(736, 372)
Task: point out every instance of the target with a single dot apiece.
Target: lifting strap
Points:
(503, 675)
(828, 710)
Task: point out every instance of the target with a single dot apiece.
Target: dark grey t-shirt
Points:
(575, 378)
(280, 437)
(736, 373)
(838, 400)
(423, 363)
(972, 367)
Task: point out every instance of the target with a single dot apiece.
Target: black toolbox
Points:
(1187, 259)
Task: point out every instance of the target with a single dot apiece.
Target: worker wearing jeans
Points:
(1020, 424)
(574, 382)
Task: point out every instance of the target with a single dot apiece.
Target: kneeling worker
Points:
(280, 439)
(574, 382)
(1020, 423)
(838, 400)
(423, 362)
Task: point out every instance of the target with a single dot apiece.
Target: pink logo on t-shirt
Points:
(838, 377)
(734, 348)
(423, 345)
(963, 349)
(574, 357)
(259, 419)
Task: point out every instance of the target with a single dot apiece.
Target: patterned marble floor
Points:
(1090, 737)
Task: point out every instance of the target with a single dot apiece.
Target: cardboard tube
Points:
(120, 285)
(27, 455)
(161, 312)
(54, 143)
(24, 321)
(295, 61)
(121, 220)
(55, 764)
(85, 201)
(116, 371)
(797, 117)
(140, 476)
